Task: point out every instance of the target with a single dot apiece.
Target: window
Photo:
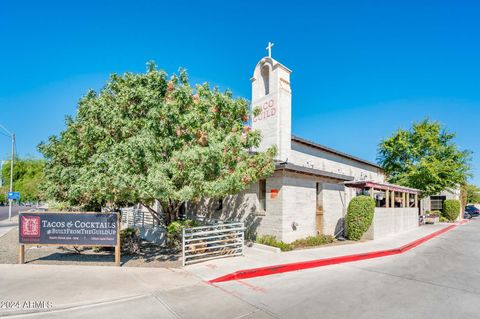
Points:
(220, 204)
(266, 79)
(262, 194)
(436, 202)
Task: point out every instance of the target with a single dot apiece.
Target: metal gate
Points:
(211, 242)
(134, 217)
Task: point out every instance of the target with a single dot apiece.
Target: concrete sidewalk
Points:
(78, 291)
(255, 258)
(114, 292)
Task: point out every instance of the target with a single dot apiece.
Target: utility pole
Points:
(12, 135)
(11, 177)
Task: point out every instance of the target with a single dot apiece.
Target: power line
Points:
(8, 132)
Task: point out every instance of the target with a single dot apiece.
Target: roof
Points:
(284, 166)
(382, 186)
(331, 150)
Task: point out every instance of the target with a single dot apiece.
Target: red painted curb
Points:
(277, 269)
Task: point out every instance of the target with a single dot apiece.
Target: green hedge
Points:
(359, 216)
(451, 209)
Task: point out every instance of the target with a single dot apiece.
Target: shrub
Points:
(443, 219)
(272, 241)
(130, 240)
(436, 213)
(174, 232)
(359, 216)
(312, 241)
(451, 209)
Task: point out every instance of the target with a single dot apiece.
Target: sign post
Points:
(70, 229)
(118, 246)
(21, 255)
(12, 196)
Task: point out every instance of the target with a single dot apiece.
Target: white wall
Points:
(389, 221)
(451, 193)
(245, 207)
(289, 216)
(304, 155)
(275, 120)
(334, 208)
(299, 200)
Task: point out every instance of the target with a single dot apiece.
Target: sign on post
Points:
(69, 229)
(14, 195)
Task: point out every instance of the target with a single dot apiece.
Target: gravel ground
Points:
(150, 256)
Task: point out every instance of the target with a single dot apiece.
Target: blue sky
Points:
(361, 69)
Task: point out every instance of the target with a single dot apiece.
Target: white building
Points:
(435, 202)
(312, 185)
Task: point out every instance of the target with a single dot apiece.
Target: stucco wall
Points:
(299, 200)
(449, 194)
(334, 208)
(245, 207)
(389, 221)
(304, 155)
(289, 216)
(425, 204)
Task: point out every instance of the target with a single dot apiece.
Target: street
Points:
(438, 279)
(15, 210)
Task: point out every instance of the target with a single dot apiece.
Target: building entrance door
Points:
(319, 210)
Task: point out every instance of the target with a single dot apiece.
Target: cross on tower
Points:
(269, 49)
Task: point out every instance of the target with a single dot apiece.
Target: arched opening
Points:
(266, 78)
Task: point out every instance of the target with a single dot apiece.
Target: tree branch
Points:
(154, 214)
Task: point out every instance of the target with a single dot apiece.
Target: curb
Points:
(270, 249)
(277, 269)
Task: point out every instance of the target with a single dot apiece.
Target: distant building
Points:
(435, 202)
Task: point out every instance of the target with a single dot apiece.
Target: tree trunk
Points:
(170, 211)
(156, 215)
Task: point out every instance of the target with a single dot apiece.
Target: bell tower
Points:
(272, 95)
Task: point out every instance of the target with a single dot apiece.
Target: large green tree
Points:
(471, 194)
(147, 137)
(424, 157)
(27, 178)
